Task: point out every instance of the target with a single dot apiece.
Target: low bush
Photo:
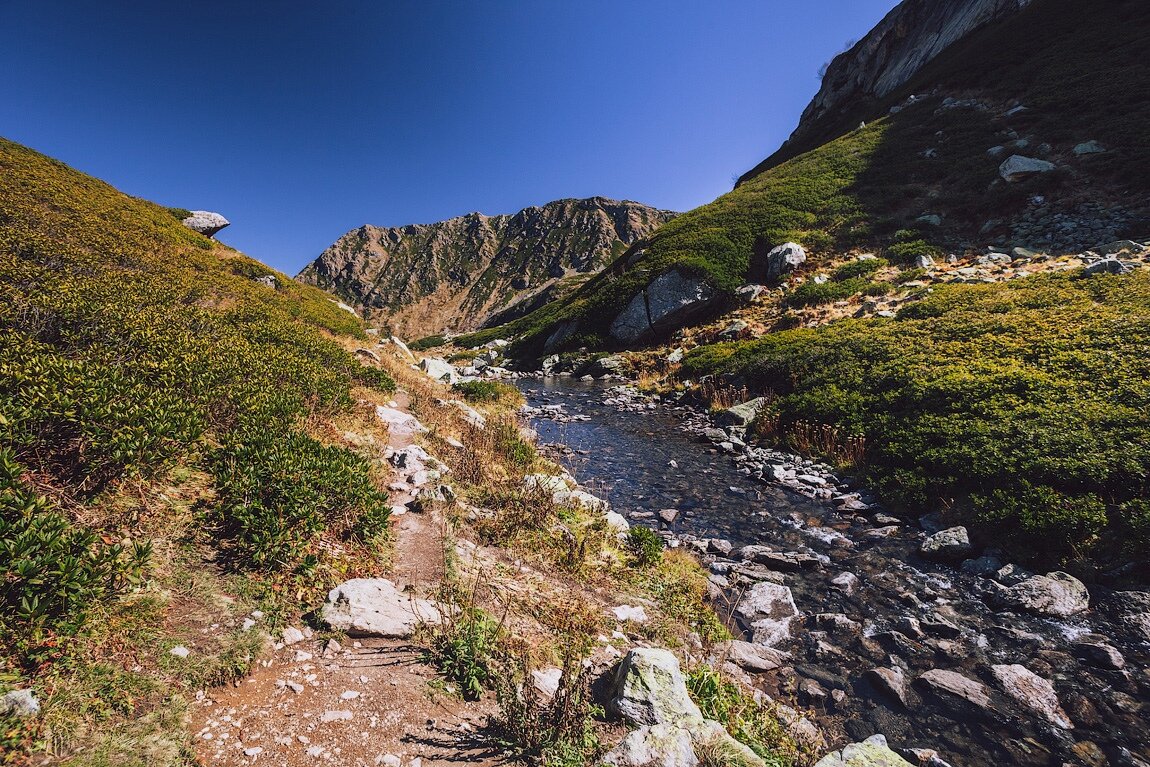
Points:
(485, 391)
(1030, 394)
(751, 724)
(427, 342)
(858, 268)
(645, 545)
(812, 293)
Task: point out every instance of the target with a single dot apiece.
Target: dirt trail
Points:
(370, 702)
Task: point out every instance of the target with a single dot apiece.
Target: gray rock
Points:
(205, 222)
(985, 566)
(889, 681)
(845, 582)
(923, 261)
(784, 259)
(545, 682)
(1056, 594)
(670, 299)
(1033, 692)
(1017, 167)
(930, 219)
(872, 752)
(1099, 654)
(661, 745)
(439, 369)
(1106, 266)
(955, 691)
(1131, 609)
(742, 414)
(950, 545)
(649, 690)
(1088, 147)
(749, 656)
(375, 607)
(20, 703)
(1118, 246)
(767, 601)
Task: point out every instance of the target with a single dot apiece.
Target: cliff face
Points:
(452, 275)
(908, 38)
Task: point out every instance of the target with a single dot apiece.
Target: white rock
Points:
(205, 222)
(180, 651)
(337, 716)
(634, 613)
(1032, 691)
(348, 695)
(291, 636)
(398, 422)
(375, 607)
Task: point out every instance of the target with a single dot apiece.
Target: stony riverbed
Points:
(937, 646)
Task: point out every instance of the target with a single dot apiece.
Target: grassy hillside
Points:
(867, 187)
(158, 449)
(1024, 405)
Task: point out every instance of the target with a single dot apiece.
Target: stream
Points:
(884, 641)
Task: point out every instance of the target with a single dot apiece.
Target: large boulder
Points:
(1016, 167)
(784, 259)
(956, 692)
(20, 703)
(439, 369)
(1108, 265)
(205, 222)
(769, 608)
(1131, 609)
(649, 690)
(1055, 594)
(669, 301)
(872, 752)
(950, 545)
(741, 414)
(1033, 692)
(375, 607)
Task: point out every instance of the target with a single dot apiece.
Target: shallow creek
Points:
(902, 613)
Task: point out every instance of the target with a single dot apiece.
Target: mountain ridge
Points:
(453, 274)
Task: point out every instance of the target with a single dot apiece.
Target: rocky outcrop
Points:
(1055, 594)
(205, 222)
(907, 39)
(453, 275)
(649, 691)
(669, 301)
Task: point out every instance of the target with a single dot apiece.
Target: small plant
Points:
(464, 648)
(555, 733)
(820, 439)
(645, 545)
(720, 396)
(755, 726)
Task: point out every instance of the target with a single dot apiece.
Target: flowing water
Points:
(904, 612)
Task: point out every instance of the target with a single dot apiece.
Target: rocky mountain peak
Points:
(454, 274)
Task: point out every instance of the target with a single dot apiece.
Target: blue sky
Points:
(301, 120)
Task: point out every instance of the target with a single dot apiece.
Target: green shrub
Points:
(480, 391)
(464, 648)
(558, 733)
(907, 252)
(858, 268)
(51, 571)
(811, 293)
(751, 724)
(180, 213)
(976, 388)
(427, 342)
(645, 545)
(277, 491)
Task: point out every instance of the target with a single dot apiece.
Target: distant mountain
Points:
(453, 275)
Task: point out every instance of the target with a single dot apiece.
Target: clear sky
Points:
(301, 120)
